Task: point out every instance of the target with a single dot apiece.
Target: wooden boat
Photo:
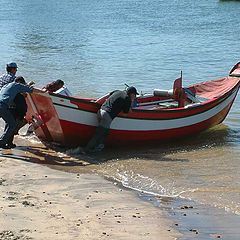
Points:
(160, 116)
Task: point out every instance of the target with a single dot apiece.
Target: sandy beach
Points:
(188, 189)
(42, 203)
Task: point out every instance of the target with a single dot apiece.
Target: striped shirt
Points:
(6, 78)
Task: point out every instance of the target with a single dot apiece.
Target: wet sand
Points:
(198, 221)
(48, 194)
(42, 203)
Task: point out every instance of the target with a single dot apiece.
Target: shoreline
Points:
(191, 219)
(197, 221)
(172, 218)
(42, 203)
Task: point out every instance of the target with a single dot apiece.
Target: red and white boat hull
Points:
(72, 122)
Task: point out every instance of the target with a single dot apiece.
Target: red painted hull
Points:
(72, 121)
(72, 130)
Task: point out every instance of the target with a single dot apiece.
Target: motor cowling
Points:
(163, 93)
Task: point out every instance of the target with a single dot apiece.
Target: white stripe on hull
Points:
(88, 118)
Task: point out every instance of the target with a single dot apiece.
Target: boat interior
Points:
(187, 97)
(180, 97)
(163, 99)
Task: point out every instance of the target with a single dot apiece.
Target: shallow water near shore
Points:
(197, 213)
(98, 46)
(203, 168)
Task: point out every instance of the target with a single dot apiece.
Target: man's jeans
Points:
(104, 118)
(101, 133)
(10, 124)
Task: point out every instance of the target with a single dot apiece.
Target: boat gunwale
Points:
(209, 105)
(91, 101)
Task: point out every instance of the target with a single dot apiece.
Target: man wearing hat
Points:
(10, 75)
(118, 101)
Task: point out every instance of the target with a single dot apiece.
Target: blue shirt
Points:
(9, 92)
(6, 78)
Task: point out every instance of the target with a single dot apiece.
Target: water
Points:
(97, 46)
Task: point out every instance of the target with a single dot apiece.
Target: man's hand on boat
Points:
(37, 90)
(31, 83)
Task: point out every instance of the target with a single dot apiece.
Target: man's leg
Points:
(10, 125)
(97, 139)
(101, 131)
(19, 124)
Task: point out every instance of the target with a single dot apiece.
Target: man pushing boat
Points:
(118, 101)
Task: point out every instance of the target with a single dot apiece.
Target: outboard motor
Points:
(177, 93)
(163, 93)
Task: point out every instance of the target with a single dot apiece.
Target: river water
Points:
(97, 46)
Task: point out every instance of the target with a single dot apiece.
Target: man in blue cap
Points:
(10, 75)
(118, 101)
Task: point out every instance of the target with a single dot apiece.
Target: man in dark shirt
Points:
(54, 86)
(118, 101)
